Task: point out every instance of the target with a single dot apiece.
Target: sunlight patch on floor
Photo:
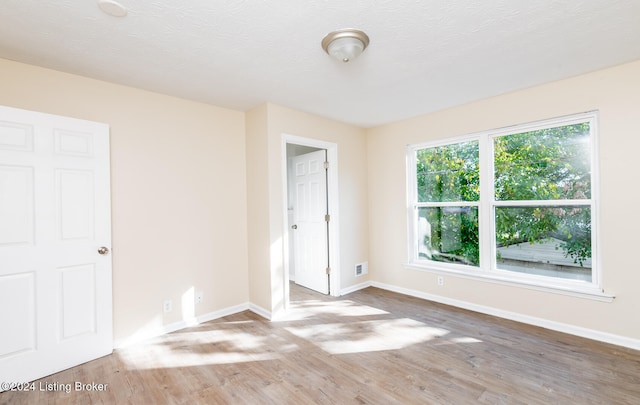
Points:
(197, 348)
(466, 340)
(312, 308)
(367, 336)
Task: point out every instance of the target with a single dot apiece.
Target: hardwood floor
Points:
(368, 347)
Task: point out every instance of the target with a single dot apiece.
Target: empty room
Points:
(319, 202)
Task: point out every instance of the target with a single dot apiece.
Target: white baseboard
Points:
(355, 288)
(531, 320)
(256, 309)
(172, 327)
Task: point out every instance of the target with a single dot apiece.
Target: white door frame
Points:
(333, 200)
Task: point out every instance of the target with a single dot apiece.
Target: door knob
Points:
(294, 226)
(103, 250)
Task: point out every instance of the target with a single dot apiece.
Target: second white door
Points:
(310, 241)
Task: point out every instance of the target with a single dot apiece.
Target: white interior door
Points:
(310, 247)
(55, 287)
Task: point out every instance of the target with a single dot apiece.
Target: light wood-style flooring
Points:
(368, 347)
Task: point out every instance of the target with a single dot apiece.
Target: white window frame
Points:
(487, 269)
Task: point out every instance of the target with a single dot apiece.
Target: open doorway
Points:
(311, 220)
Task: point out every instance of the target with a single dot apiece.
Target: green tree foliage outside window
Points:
(449, 173)
(548, 164)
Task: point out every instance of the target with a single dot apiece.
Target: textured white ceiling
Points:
(424, 55)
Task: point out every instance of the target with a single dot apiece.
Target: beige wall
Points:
(353, 210)
(616, 94)
(259, 253)
(178, 192)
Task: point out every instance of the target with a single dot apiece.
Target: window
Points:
(515, 204)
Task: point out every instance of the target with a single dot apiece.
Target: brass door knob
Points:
(103, 250)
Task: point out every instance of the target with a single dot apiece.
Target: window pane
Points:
(448, 173)
(448, 234)
(548, 241)
(547, 164)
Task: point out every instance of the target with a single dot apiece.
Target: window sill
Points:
(584, 292)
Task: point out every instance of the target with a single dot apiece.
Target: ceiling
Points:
(423, 56)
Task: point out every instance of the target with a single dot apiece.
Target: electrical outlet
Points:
(168, 306)
(199, 297)
(440, 280)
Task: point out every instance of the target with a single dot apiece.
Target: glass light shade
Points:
(345, 44)
(112, 8)
(345, 49)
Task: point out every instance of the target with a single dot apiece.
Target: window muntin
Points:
(532, 221)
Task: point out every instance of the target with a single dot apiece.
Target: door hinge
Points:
(326, 165)
(327, 218)
(328, 270)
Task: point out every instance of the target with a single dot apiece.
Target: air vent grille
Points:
(362, 268)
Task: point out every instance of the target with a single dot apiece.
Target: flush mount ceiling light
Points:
(345, 44)
(112, 8)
